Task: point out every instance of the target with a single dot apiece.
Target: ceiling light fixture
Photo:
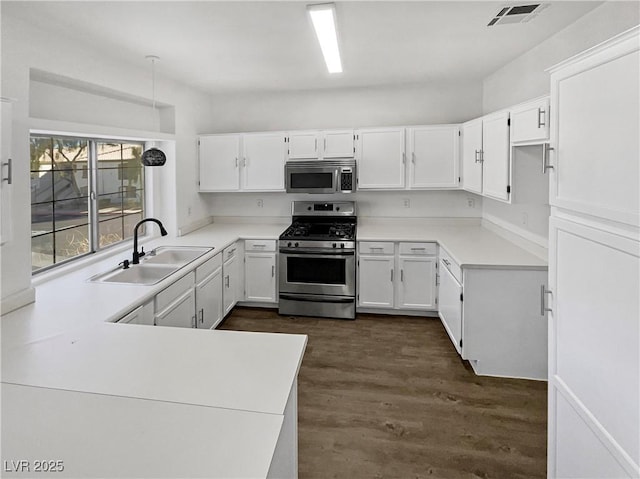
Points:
(153, 156)
(323, 17)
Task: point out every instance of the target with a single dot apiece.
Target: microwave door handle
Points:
(336, 180)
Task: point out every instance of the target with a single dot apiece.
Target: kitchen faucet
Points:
(136, 255)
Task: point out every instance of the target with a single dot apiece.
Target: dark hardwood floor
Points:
(389, 397)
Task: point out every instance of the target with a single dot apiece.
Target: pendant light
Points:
(153, 156)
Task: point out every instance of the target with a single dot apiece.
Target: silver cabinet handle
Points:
(202, 316)
(543, 307)
(392, 276)
(401, 275)
(418, 249)
(545, 158)
(194, 321)
(9, 177)
(324, 144)
(315, 145)
(244, 162)
(404, 157)
(481, 156)
(273, 271)
(413, 157)
(236, 161)
(541, 122)
(226, 279)
(477, 156)
(445, 261)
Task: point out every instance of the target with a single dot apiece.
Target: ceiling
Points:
(270, 46)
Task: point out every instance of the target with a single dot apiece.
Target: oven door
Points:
(305, 178)
(311, 272)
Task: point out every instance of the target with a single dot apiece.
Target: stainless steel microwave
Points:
(320, 176)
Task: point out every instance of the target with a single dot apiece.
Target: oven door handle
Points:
(310, 251)
(316, 299)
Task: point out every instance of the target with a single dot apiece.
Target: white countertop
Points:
(114, 437)
(469, 245)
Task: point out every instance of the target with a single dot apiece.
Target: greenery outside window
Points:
(86, 194)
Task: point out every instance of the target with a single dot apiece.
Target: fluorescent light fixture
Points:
(324, 21)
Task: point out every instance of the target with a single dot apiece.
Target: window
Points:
(85, 195)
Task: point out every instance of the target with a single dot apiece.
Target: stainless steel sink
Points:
(175, 255)
(137, 274)
(155, 266)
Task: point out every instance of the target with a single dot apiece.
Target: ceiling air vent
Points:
(517, 14)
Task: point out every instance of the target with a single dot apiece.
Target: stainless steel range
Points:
(318, 260)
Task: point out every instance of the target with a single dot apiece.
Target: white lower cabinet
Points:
(180, 313)
(495, 318)
(141, 315)
(397, 276)
(450, 303)
(209, 293)
(232, 277)
(260, 271)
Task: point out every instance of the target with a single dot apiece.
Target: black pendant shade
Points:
(153, 157)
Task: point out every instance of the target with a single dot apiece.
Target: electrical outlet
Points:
(260, 203)
(406, 202)
(471, 203)
(525, 219)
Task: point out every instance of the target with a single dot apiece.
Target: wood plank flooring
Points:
(388, 397)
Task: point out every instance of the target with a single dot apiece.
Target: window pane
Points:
(41, 251)
(110, 231)
(41, 218)
(130, 222)
(69, 154)
(109, 205)
(71, 213)
(71, 242)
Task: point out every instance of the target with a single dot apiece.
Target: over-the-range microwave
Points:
(320, 176)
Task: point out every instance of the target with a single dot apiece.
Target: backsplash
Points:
(406, 204)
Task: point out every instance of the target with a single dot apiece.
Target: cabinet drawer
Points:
(229, 252)
(260, 245)
(421, 249)
(451, 265)
(208, 267)
(372, 247)
(165, 297)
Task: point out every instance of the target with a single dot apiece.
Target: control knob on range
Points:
(296, 245)
(335, 245)
(289, 244)
(341, 245)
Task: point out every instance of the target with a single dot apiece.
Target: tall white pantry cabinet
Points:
(594, 263)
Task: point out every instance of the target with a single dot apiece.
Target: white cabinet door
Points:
(495, 156)
(594, 133)
(304, 144)
(376, 285)
(594, 362)
(141, 315)
(6, 173)
(450, 305)
(381, 158)
(530, 122)
(337, 144)
(263, 161)
(209, 301)
(433, 151)
(180, 313)
(229, 287)
(219, 162)
(471, 151)
(416, 283)
(260, 277)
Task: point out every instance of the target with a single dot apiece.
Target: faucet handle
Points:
(141, 253)
(125, 264)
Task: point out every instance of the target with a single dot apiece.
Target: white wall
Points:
(525, 78)
(347, 108)
(436, 204)
(24, 48)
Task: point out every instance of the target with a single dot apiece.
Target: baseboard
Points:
(195, 225)
(18, 300)
(531, 242)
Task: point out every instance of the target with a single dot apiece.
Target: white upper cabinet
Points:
(471, 151)
(594, 134)
(380, 155)
(433, 151)
(495, 156)
(530, 122)
(219, 162)
(338, 144)
(263, 159)
(304, 145)
(317, 144)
